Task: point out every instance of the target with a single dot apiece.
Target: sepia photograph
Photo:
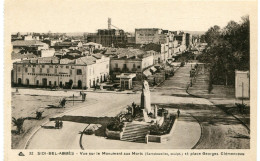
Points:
(131, 75)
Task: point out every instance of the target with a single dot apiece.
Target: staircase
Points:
(135, 132)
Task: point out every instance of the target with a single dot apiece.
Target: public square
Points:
(201, 125)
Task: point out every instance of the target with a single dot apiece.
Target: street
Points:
(201, 125)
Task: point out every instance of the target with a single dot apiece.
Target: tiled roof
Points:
(27, 43)
(122, 52)
(22, 56)
(97, 55)
(87, 60)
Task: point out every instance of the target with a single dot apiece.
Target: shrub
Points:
(115, 125)
(242, 107)
(89, 132)
(165, 128)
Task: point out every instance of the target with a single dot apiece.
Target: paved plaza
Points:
(201, 124)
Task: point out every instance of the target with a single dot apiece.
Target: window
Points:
(138, 67)
(51, 66)
(26, 70)
(116, 65)
(49, 83)
(61, 66)
(133, 65)
(79, 72)
(48, 70)
(55, 71)
(67, 67)
(43, 66)
(40, 70)
(124, 66)
(33, 70)
(70, 72)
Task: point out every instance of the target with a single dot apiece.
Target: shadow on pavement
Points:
(103, 121)
(48, 127)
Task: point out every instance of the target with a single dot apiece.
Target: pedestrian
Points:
(61, 124)
(178, 112)
(57, 124)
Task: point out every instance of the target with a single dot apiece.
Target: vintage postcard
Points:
(130, 80)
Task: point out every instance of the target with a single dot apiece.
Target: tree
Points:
(212, 35)
(228, 49)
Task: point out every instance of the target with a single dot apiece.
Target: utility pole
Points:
(242, 92)
(73, 99)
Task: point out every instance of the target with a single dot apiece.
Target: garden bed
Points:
(163, 133)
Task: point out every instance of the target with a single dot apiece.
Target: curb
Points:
(199, 141)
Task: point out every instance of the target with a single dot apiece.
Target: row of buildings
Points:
(75, 63)
(83, 72)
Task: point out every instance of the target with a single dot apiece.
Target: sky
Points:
(88, 16)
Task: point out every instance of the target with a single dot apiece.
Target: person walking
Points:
(61, 124)
(57, 124)
(178, 112)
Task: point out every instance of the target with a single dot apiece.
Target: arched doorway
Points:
(19, 81)
(89, 84)
(79, 84)
(60, 84)
(27, 82)
(70, 83)
(44, 82)
(94, 83)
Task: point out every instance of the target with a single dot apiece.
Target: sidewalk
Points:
(221, 96)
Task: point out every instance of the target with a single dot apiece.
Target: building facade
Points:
(148, 35)
(84, 72)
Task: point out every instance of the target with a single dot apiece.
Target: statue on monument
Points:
(145, 97)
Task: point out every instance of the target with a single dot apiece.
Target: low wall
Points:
(113, 134)
(161, 138)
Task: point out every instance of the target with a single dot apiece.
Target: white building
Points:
(84, 72)
(242, 87)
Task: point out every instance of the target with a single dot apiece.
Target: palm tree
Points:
(63, 103)
(18, 123)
